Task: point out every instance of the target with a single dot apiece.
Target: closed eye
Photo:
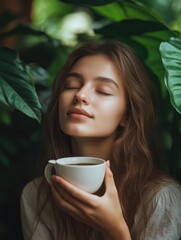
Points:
(71, 87)
(104, 92)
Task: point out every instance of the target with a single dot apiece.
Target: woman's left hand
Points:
(100, 212)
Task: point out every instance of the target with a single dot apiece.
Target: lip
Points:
(79, 112)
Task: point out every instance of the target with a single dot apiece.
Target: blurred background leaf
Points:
(16, 89)
(171, 58)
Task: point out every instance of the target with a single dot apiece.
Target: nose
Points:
(82, 97)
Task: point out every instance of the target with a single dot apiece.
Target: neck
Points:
(99, 147)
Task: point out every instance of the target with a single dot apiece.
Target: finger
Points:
(65, 205)
(68, 197)
(109, 180)
(108, 163)
(80, 213)
(74, 192)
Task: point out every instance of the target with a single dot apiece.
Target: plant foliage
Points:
(17, 90)
(171, 58)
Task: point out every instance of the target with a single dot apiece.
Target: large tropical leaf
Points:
(171, 58)
(17, 90)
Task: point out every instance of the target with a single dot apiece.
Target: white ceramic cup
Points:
(86, 173)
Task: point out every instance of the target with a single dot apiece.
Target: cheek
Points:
(61, 102)
(114, 109)
(64, 100)
(61, 110)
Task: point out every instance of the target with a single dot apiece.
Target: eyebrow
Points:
(75, 74)
(98, 78)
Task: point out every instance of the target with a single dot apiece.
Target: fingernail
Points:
(108, 163)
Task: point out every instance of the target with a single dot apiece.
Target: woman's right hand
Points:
(103, 213)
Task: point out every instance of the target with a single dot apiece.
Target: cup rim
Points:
(77, 159)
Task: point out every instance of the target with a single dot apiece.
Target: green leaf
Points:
(121, 10)
(16, 88)
(88, 2)
(37, 74)
(126, 28)
(171, 58)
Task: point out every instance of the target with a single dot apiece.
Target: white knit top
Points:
(164, 222)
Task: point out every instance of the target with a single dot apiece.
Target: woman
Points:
(103, 105)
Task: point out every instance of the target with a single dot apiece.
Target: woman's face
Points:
(93, 102)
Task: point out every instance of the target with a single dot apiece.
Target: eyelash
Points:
(78, 87)
(104, 93)
(67, 87)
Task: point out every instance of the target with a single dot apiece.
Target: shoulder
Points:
(165, 219)
(169, 196)
(167, 202)
(33, 191)
(163, 213)
(31, 188)
(32, 185)
(36, 211)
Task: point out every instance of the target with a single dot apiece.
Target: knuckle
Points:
(92, 210)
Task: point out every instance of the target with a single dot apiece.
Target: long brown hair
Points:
(136, 151)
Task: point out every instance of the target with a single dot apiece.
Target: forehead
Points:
(96, 64)
(92, 58)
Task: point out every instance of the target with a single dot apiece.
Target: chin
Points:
(74, 133)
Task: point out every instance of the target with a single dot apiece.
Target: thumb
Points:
(109, 180)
